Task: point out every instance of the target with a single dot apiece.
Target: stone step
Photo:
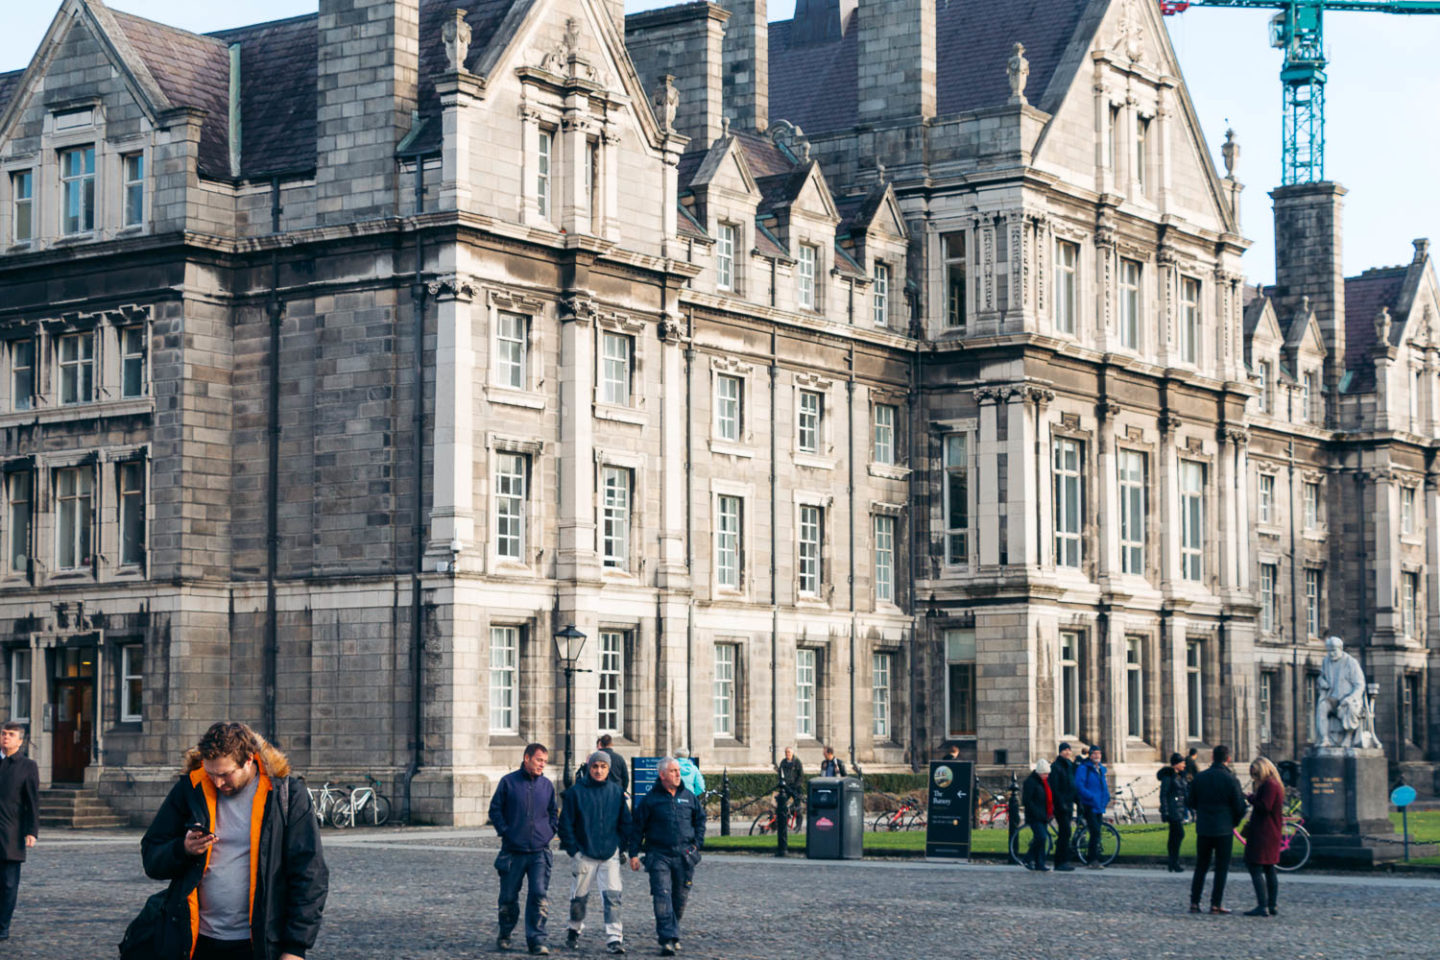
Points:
(76, 807)
(108, 821)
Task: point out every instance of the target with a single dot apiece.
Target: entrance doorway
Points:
(73, 713)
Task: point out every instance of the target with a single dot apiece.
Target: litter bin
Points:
(835, 823)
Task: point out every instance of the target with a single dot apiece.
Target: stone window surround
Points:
(47, 196)
(826, 503)
(126, 657)
(899, 685)
(1062, 232)
(746, 493)
(1321, 527)
(108, 382)
(1058, 429)
(527, 715)
(536, 312)
(745, 372)
(635, 413)
(940, 430)
(563, 110)
(630, 681)
(900, 469)
(896, 511)
(1144, 345)
(824, 456)
(635, 463)
(738, 256)
(1265, 468)
(1318, 566)
(820, 702)
(534, 450)
(1083, 631)
(1417, 533)
(1416, 569)
(738, 700)
(939, 269)
(1152, 702)
(1152, 543)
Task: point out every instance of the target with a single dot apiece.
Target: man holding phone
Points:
(237, 814)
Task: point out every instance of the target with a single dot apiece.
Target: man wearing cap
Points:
(594, 825)
(1062, 789)
(1092, 789)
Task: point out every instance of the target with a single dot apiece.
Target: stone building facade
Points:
(844, 382)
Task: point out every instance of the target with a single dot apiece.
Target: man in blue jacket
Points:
(524, 815)
(670, 829)
(594, 826)
(1093, 793)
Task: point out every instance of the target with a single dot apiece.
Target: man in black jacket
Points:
(19, 816)
(1173, 791)
(670, 829)
(1219, 805)
(234, 773)
(525, 817)
(619, 772)
(1036, 797)
(1062, 789)
(594, 825)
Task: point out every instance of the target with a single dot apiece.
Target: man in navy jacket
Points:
(594, 826)
(1093, 792)
(524, 814)
(670, 828)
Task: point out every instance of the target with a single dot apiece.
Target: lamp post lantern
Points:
(569, 642)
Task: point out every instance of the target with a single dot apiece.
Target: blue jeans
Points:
(671, 875)
(515, 868)
(9, 891)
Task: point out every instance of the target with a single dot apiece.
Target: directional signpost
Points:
(952, 799)
(1402, 796)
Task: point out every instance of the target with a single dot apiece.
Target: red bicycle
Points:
(910, 815)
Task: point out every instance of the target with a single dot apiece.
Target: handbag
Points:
(150, 937)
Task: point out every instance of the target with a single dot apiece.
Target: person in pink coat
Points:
(1263, 834)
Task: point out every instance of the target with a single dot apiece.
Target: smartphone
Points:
(197, 827)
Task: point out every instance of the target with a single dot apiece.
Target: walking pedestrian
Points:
(1219, 804)
(669, 832)
(1093, 792)
(619, 771)
(952, 752)
(1039, 803)
(1062, 788)
(19, 816)
(594, 826)
(239, 889)
(1192, 765)
(523, 813)
(1263, 834)
(792, 774)
(1173, 789)
(832, 766)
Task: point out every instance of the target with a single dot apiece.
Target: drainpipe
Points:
(774, 543)
(1297, 635)
(275, 310)
(917, 441)
(689, 521)
(850, 456)
(417, 431)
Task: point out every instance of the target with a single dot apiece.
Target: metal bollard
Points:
(782, 818)
(1012, 807)
(725, 802)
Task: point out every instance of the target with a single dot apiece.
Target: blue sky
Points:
(1382, 97)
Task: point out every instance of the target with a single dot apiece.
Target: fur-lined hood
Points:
(272, 761)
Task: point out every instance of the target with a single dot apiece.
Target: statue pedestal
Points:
(1347, 808)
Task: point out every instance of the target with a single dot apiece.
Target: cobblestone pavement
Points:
(431, 894)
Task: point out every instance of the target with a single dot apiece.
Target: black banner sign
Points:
(952, 801)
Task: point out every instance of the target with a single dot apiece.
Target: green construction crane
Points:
(1299, 29)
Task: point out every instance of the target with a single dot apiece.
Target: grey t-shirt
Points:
(225, 889)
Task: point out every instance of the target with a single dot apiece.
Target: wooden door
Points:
(73, 719)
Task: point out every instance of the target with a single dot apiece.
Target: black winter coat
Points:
(19, 805)
(619, 772)
(1062, 784)
(1217, 800)
(667, 823)
(1032, 796)
(291, 878)
(1173, 789)
(594, 820)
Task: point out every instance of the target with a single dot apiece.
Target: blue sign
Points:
(1403, 795)
(642, 775)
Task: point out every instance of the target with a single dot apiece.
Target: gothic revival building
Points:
(862, 379)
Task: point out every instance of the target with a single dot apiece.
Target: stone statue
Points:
(1230, 151)
(1340, 705)
(1382, 327)
(667, 102)
(1019, 69)
(456, 33)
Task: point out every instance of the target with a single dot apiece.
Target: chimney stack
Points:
(897, 60)
(747, 65)
(1308, 262)
(685, 43)
(367, 81)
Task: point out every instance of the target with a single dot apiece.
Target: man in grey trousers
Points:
(594, 826)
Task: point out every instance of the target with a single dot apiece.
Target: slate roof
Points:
(1364, 296)
(277, 99)
(484, 18)
(8, 84)
(815, 85)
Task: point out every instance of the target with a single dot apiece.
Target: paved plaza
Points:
(431, 894)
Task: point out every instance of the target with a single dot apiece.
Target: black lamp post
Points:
(568, 644)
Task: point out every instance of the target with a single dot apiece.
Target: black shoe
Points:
(1218, 909)
(1274, 912)
(1194, 908)
(1064, 868)
(539, 950)
(503, 944)
(615, 946)
(1258, 912)
(667, 949)
(1095, 865)
(572, 939)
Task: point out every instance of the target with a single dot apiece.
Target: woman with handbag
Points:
(1263, 834)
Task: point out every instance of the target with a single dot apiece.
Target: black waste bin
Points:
(835, 824)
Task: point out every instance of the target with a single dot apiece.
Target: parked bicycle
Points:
(366, 806)
(326, 801)
(1294, 840)
(767, 821)
(1128, 808)
(1079, 844)
(991, 808)
(909, 815)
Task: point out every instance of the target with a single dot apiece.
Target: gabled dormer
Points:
(1304, 357)
(722, 196)
(1263, 353)
(873, 235)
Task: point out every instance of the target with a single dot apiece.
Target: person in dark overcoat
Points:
(1062, 791)
(19, 816)
(1263, 834)
(1173, 788)
(1039, 805)
(1219, 806)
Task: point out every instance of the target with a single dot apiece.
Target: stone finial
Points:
(1019, 70)
(1382, 327)
(1422, 248)
(1231, 152)
(724, 126)
(879, 172)
(667, 103)
(456, 33)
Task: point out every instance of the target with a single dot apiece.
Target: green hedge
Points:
(747, 786)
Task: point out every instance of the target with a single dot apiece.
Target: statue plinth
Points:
(1347, 808)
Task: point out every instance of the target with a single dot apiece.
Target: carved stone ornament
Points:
(1019, 70)
(578, 307)
(667, 103)
(1230, 151)
(450, 289)
(1382, 327)
(456, 33)
(564, 59)
(1130, 33)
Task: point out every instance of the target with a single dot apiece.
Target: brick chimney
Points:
(367, 79)
(897, 60)
(684, 42)
(747, 65)
(1308, 262)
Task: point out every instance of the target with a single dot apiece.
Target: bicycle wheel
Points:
(379, 811)
(342, 813)
(330, 806)
(1294, 847)
(916, 820)
(762, 824)
(1109, 844)
(1020, 842)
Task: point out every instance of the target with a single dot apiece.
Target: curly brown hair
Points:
(234, 740)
